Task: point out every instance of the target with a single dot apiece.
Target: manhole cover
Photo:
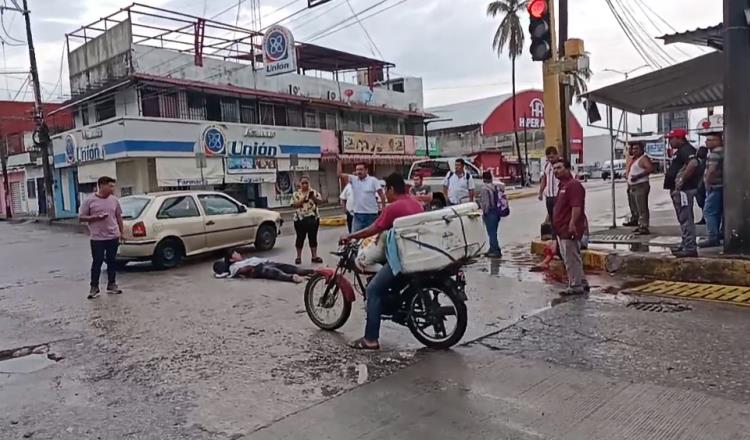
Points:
(659, 306)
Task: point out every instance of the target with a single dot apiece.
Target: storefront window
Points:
(279, 115)
(170, 105)
(352, 122)
(196, 106)
(311, 119)
(229, 110)
(84, 114)
(266, 114)
(213, 108)
(105, 109)
(248, 113)
(149, 103)
(294, 116)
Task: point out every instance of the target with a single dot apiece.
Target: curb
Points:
(522, 195)
(692, 270)
(336, 220)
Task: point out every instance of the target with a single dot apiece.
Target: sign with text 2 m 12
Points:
(279, 53)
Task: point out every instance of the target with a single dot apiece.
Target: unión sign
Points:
(279, 53)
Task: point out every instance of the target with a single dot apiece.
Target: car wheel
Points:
(265, 239)
(168, 254)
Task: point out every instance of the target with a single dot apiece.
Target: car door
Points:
(180, 216)
(226, 221)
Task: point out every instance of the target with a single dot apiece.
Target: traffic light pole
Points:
(562, 18)
(552, 119)
(42, 134)
(736, 129)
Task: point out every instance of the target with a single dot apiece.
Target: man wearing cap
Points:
(682, 179)
(713, 211)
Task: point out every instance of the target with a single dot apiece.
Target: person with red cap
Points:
(682, 179)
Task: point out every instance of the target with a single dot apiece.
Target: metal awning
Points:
(691, 84)
(712, 36)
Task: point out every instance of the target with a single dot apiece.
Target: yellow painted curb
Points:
(522, 195)
(595, 260)
(736, 295)
(337, 220)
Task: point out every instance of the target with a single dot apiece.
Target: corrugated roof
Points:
(691, 84)
(711, 36)
(466, 113)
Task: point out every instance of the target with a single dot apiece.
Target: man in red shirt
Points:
(570, 225)
(400, 204)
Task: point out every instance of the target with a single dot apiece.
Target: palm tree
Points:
(510, 35)
(580, 83)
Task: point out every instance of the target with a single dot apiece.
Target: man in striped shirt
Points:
(549, 185)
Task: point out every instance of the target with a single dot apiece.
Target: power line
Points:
(651, 13)
(24, 86)
(330, 7)
(644, 35)
(337, 27)
(364, 29)
(59, 76)
(641, 52)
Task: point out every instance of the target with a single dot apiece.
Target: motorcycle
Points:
(431, 304)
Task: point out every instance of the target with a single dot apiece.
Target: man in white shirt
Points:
(549, 185)
(458, 186)
(347, 202)
(365, 192)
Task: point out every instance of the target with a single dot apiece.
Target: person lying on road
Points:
(234, 265)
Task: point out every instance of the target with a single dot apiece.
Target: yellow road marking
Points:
(738, 295)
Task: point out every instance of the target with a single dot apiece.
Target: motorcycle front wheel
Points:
(438, 316)
(325, 304)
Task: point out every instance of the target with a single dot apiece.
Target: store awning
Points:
(692, 84)
(91, 172)
(386, 159)
(183, 171)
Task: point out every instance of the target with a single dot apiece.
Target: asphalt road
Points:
(183, 355)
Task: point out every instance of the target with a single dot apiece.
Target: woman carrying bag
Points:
(306, 219)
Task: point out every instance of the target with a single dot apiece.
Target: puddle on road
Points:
(25, 364)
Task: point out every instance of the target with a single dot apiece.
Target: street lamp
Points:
(426, 138)
(626, 74)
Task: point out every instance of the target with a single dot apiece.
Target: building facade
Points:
(157, 118)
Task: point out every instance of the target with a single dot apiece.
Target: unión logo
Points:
(213, 140)
(276, 45)
(70, 148)
(279, 54)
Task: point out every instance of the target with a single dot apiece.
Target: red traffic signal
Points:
(537, 8)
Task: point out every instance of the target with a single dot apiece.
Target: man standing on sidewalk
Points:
(570, 224)
(549, 185)
(682, 179)
(713, 211)
(458, 186)
(103, 214)
(639, 186)
(365, 192)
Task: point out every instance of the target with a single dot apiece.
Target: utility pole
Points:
(736, 128)
(42, 132)
(562, 20)
(552, 118)
(6, 182)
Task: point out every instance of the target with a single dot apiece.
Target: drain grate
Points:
(612, 238)
(659, 306)
(738, 295)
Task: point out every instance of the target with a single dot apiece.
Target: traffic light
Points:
(540, 30)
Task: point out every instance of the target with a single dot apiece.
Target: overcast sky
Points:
(446, 42)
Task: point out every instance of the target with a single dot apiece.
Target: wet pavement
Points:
(181, 355)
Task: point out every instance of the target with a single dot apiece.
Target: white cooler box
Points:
(457, 231)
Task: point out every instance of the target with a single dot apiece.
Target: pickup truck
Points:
(433, 172)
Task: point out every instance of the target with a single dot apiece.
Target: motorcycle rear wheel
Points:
(314, 305)
(422, 318)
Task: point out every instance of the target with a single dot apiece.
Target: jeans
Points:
(686, 218)
(492, 222)
(570, 251)
(279, 272)
(377, 288)
(639, 192)
(307, 228)
(101, 251)
(362, 221)
(713, 212)
(349, 220)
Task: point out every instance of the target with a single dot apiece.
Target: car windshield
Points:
(133, 206)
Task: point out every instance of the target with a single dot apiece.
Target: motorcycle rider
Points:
(400, 204)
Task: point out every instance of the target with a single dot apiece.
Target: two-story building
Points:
(23, 162)
(164, 100)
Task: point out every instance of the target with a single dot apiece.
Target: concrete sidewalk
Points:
(619, 250)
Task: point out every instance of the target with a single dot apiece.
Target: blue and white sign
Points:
(656, 150)
(279, 53)
(214, 141)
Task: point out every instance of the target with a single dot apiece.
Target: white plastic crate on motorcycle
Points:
(433, 240)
